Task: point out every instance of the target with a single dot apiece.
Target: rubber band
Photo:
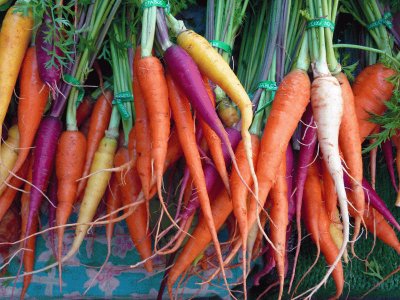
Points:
(385, 21)
(157, 3)
(321, 22)
(75, 83)
(267, 85)
(221, 45)
(119, 100)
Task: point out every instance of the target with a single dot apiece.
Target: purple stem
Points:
(388, 154)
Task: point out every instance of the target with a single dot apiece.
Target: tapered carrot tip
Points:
(148, 265)
(398, 200)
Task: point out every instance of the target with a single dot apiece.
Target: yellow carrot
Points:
(9, 154)
(15, 35)
(95, 189)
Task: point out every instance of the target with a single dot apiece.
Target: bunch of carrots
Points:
(275, 146)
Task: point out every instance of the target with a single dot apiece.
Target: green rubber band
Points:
(119, 100)
(267, 85)
(385, 21)
(322, 22)
(221, 45)
(75, 83)
(157, 3)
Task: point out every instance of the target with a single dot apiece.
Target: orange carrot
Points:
(70, 159)
(32, 101)
(279, 219)
(377, 224)
(129, 185)
(288, 106)
(142, 132)
(350, 146)
(221, 208)
(214, 142)
(185, 127)
(329, 249)
(98, 124)
(371, 89)
(239, 192)
(7, 198)
(29, 253)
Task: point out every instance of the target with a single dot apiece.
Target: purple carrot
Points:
(388, 154)
(211, 174)
(45, 52)
(307, 152)
(374, 200)
(52, 211)
(289, 179)
(43, 163)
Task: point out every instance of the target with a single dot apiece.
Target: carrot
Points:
(113, 202)
(153, 85)
(214, 143)
(372, 155)
(94, 191)
(9, 154)
(221, 208)
(329, 192)
(15, 35)
(330, 250)
(211, 63)
(289, 104)
(130, 187)
(350, 146)
(371, 89)
(70, 157)
(32, 101)
(279, 220)
(28, 255)
(8, 196)
(312, 197)
(396, 142)
(142, 131)
(98, 124)
(239, 193)
(377, 224)
(185, 125)
(84, 110)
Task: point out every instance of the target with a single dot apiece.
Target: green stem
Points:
(351, 46)
(113, 126)
(148, 30)
(303, 59)
(333, 64)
